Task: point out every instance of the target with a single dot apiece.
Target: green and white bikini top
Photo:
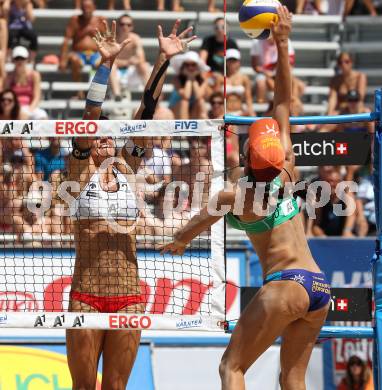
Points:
(285, 210)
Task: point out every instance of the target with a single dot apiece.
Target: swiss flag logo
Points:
(342, 304)
(341, 148)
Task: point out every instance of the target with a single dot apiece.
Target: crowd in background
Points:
(197, 94)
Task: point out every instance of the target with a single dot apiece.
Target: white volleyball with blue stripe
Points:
(255, 17)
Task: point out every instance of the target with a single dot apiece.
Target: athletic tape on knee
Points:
(98, 87)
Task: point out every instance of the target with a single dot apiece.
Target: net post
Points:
(377, 261)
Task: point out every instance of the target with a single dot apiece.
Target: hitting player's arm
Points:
(169, 46)
(198, 224)
(283, 82)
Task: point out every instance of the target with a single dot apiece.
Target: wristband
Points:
(134, 150)
(78, 153)
(98, 87)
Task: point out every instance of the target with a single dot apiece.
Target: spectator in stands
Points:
(176, 5)
(10, 107)
(30, 220)
(9, 202)
(16, 153)
(4, 11)
(365, 197)
(50, 161)
(163, 113)
(235, 104)
(80, 30)
(212, 6)
(21, 28)
(353, 104)
(216, 102)
(327, 222)
(216, 111)
(111, 4)
(356, 7)
(156, 168)
(191, 88)
(26, 83)
(346, 80)
(200, 161)
(130, 70)
(309, 7)
(212, 50)
(358, 375)
(237, 83)
(264, 61)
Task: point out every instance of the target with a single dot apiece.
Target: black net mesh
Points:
(74, 237)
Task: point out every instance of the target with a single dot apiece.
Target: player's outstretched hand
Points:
(282, 29)
(174, 44)
(107, 43)
(175, 247)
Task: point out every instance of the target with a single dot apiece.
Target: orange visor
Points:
(266, 155)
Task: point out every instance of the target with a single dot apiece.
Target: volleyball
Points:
(255, 17)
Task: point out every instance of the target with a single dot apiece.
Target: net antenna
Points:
(115, 277)
(225, 57)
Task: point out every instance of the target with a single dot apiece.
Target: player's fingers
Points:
(185, 33)
(98, 35)
(106, 25)
(160, 31)
(280, 11)
(125, 43)
(175, 27)
(285, 12)
(188, 40)
(114, 28)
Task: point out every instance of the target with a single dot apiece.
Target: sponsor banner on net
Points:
(173, 299)
(68, 320)
(114, 128)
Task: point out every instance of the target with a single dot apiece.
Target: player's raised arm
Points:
(109, 50)
(283, 81)
(168, 47)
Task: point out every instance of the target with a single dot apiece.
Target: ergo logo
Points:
(74, 128)
(118, 321)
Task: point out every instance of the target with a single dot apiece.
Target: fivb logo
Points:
(322, 148)
(186, 125)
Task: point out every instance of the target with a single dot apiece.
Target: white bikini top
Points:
(94, 202)
(236, 89)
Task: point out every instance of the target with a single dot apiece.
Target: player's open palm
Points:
(107, 43)
(174, 44)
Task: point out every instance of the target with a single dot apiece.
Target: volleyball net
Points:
(71, 226)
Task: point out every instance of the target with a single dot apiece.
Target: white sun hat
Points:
(189, 56)
(20, 51)
(233, 54)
